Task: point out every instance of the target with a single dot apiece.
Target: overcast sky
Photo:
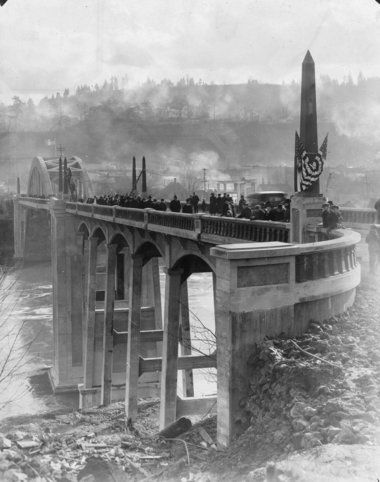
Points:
(47, 45)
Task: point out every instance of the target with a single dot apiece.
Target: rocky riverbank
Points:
(313, 408)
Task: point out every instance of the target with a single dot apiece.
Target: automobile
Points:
(274, 197)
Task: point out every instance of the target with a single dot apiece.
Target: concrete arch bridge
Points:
(110, 337)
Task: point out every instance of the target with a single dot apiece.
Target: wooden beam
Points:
(121, 337)
(184, 363)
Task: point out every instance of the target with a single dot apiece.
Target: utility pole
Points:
(204, 181)
(61, 150)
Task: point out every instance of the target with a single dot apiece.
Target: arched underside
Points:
(44, 177)
(192, 263)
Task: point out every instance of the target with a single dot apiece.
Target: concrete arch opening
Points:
(190, 331)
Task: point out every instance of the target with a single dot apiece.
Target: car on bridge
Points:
(274, 197)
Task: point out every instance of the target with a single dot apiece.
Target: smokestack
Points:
(18, 186)
(308, 120)
(60, 176)
(143, 188)
(134, 181)
(65, 186)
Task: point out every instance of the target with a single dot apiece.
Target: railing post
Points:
(198, 224)
(146, 217)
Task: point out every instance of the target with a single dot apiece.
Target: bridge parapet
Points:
(34, 202)
(210, 229)
(355, 216)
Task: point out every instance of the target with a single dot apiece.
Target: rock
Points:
(309, 412)
(12, 455)
(297, 410)
(17, 435)
(333, 406)
(348, 436)
(257, 475)
(14, 475)
(297, 439)
(323, 390)
(322, 346)
(101, 471)
(279, 436)
(299, 424)
(5, 443)
(309, 440)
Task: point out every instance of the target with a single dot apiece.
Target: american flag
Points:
(310, 165)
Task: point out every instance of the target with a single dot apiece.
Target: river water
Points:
(26, 332)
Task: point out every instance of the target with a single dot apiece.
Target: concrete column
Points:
(76, 298)
(18, 229)
(61, 230)
(108, 325)
(133, 346)
(305, 215)
(169, 371)
(127, 269)
(187, 375)
(89, 338)
(156, 293)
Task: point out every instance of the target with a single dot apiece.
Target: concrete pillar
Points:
(61, 331)
(169, 371)
(253, 300)
(156, 293)
(305, 215)
(185, 344)
(108, 325)
(127, 269)
(76, 295)
(18, 228)
(89, 338)
(133, 346)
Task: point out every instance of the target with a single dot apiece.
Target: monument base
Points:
(305, 215)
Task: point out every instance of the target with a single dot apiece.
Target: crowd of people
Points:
(219, 205)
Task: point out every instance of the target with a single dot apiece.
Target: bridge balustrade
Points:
(86, 208)
(258, 231)
(324, 261)
(36, 200)
(131, 214)
(358, 216)
(172, 220)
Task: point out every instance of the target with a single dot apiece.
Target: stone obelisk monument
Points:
(306, 204)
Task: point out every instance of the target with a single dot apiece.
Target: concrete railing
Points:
(358, 216)
(327, 258)
(195, 226)
(245, 229)
(40, 203)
